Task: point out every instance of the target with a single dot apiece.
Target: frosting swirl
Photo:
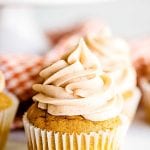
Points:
(114, 54)
(2, 81)
(77, 85)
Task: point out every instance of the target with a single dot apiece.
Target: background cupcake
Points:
(76, 107)
(8, 107)
(114, 54)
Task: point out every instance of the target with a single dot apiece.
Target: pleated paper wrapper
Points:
(39, 139)
(6, 119)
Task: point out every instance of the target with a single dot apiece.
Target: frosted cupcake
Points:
(114, 54)
(76, 107)
(8, 107)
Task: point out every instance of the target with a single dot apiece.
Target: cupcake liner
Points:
(6, 118)
(39, 139)
(145, 86)
(131, 105)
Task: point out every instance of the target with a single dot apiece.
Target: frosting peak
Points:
(76, 85)
(83, 55)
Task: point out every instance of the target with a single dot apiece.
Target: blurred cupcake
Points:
(8, 107)
(76, 107)
(114, 54)
(141, 61)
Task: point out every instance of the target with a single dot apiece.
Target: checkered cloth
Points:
(21, 72)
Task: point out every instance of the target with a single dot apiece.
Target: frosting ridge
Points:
(77, 85)
(114, 55)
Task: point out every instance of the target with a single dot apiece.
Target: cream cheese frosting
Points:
(77, 85)
(114, 55)
(2, 81)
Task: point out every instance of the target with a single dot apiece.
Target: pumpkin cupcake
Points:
(114, 54)
(8, 107)
(77, 106)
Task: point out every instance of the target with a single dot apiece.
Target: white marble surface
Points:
(138, 137)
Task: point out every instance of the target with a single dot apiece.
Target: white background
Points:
(129, 18)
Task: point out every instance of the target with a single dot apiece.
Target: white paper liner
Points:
(131, 105)
(39, 139)
(6, 118)
(145, 86)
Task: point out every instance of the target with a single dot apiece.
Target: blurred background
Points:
(126, 18)
(25, 22)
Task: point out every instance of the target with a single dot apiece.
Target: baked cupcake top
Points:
(114, 54)
(77, 85)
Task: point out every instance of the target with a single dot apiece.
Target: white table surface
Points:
(138, 137)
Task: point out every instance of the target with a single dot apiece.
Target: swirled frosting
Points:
(2, 81)
(114, 54)
(76, 85)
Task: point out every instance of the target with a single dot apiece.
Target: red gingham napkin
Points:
(21, 72)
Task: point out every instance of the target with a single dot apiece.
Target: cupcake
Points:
(141, 61)
(114, 54)
(77, 106)
(8, 107)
